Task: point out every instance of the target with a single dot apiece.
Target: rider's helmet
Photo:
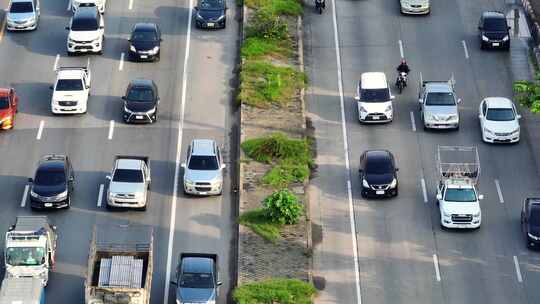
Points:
(403, 61)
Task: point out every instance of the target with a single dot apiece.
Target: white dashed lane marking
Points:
(518, 270)
(499, 192)
(40, 130)
(111, 129)
(465, 49)
(100, 195)
(25, 195)
(436, 265)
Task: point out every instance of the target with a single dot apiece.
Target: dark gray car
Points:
(197, 278)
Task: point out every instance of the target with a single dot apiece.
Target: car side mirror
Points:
(53, 227)
(509, 27)
(479, 115)
(196, 8)
(397, 169)
(392, 97)
(51, 88)
(160, 39)
(439, 196)
(459, 100)
(183, 165)
(30, 180)
(219, 283)
(360, 171)
(518, 116)
(357, 98)
(174, 283)
(71, 178)
(108, 177)
(123, 97)
(67, 27)
(101, 27)
(129, 39)
(480, 28)
(223, 166)
(480, 197)
(420, 100)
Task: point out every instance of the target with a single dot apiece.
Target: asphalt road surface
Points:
(196, 101)
(403, 254)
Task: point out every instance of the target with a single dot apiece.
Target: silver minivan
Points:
(22, 15)
(203, 169)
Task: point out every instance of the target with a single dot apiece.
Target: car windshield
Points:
(460, 195)
(379, 167)
(374, 95)
(140, 94)
(203, 162)
(500, 114)
(196, 280)
(50, 177)
(211, 4)
(84, 24)
(127, 176)
(21, 7)
(440, 99)
(69, 85)
(495, 24)
(25, 256)
(144, 36)
(4, 102)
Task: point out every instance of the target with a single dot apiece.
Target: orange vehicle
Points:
(8, 107)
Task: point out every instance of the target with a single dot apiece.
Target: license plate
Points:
(138, 116)
(379, 192)
(202, 193)
(495, 44)
(210, 24)
(375, 117)
(48, 205)
(144, 56)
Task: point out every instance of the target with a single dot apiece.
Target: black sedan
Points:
(211, 14)
(52, 184)
(145, 42)
(493, 31)
(141, 102)
(378, 174)
(530, 222)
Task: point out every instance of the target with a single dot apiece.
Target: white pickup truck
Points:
(129, 182)
(71, 90)
(457, 194)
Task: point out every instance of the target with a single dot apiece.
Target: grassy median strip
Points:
(282, 291)
(258, 221)
(277, 7)
(257, 48)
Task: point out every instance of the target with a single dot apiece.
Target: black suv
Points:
(211, 14)
(378, 174)
(530, 221)
(141, 102)
(52, 184)
(145, 42)
(493, 31)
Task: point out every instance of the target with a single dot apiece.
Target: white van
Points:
(374, 98)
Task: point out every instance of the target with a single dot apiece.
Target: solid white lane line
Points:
(69, 6)
(25, 195)
(518, 270)
(465, 49)
(172, 222)
(56, 62)
(121, 64)
(3, 29)
(401, 49)
(40, 130)
(111, 129)
(499, 192)
(437, 271)
(100, 195)
(130, 4)
(424, 190)
(412, 122)
(346, 152)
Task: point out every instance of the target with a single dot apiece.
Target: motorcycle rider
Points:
(402, 68)
(322, 3)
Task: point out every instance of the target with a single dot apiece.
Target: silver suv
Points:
(22, 15)
(203, 169)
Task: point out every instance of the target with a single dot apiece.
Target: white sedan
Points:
(499, 120)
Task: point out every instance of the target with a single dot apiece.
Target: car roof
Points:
(15, 1)
(86, 12)
(197, 265)
(52, 161)
(498, 102)
(202, 147)
(378, 155)
(70, 74)
(4, 92)
(438, 87)
(129, 163)
(373, 80)
(141, 83)
(493, 14)
(145, 26)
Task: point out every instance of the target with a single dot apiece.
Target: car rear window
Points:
(69, 85)
(374, 95)
(21, 7)
(50, 177)
(440, 99)
(495, 24)
(203, 162)
(84, 24)
(196, 280)
(127, 176)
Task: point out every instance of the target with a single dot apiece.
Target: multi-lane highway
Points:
(403, 256)
(195, 79)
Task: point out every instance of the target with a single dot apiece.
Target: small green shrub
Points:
(278, 146)
(265, 24)
(284, 173)
(282, 291)
(258, 221)
(256, 47)
(283, 207)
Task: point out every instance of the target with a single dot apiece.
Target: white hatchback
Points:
(499, 120)
(374, 98)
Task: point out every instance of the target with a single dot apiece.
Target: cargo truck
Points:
(120, 265)
(22, 291)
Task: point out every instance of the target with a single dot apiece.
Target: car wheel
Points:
(482, 47)
(363, 194)
(70, 53)
(142, 208)
(69, 202)
(158, 57)
(396, 192)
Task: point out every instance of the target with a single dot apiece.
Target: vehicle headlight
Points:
(362, 109)
(477, 214)
(154, 50)
(61, 195)
(127, 110)
(221, 17)
(139, 195)
(33, 194)
(152, 111)
(486, 130)
(188, 182)
(452, 117)
(132, 48)
(388, 109)
(505, 38)
(178, 302)
(431, 117)
(365, 183)
(446, 214)
(9, 118)
(199, 16)
(484, 38)
(515, 131)
(393, 184)
(532, 236)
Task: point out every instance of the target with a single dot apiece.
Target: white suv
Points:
(203, 169)
(374, 98)
(86, 31)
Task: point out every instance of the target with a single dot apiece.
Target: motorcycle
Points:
(320, 5)
(401, 81)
